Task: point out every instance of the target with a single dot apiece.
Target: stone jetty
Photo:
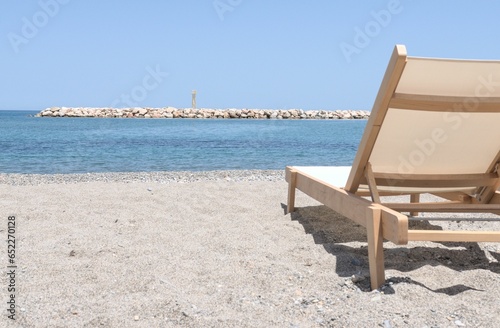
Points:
(171, 112)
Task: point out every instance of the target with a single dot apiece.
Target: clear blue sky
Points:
(235, 53)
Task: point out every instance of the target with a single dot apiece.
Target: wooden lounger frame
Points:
(385, 220)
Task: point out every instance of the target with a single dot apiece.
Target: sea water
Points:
(79, 145)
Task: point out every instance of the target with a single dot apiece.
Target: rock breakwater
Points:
(172, 112)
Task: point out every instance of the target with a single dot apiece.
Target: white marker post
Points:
(193, 100)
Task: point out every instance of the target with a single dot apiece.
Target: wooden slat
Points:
(485, 194)
(454, 218)
(443, 207)
(382, 193)
(356, 176)
(371, 183)
(464, 198)
(445, 103)
(435, 180)
(389, 83)
(457, 196)
(458, 236)
(335, 198)
(394, 224)
(291, 191)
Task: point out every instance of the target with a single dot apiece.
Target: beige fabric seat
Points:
(434, 128)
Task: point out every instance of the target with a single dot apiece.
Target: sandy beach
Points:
(216, 249)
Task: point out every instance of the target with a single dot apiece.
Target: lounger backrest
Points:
(432, 117)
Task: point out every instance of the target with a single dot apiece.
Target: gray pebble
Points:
(356, 262)
(164, 177)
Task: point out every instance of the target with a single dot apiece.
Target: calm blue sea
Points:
(79, 145)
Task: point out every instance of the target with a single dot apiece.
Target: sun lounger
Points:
(434, 128)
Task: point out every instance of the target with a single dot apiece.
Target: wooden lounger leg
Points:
(375, 247)
(414, 198)
(291, 191)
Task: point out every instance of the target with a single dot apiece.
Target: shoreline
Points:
(202, 113)
(162, 177)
